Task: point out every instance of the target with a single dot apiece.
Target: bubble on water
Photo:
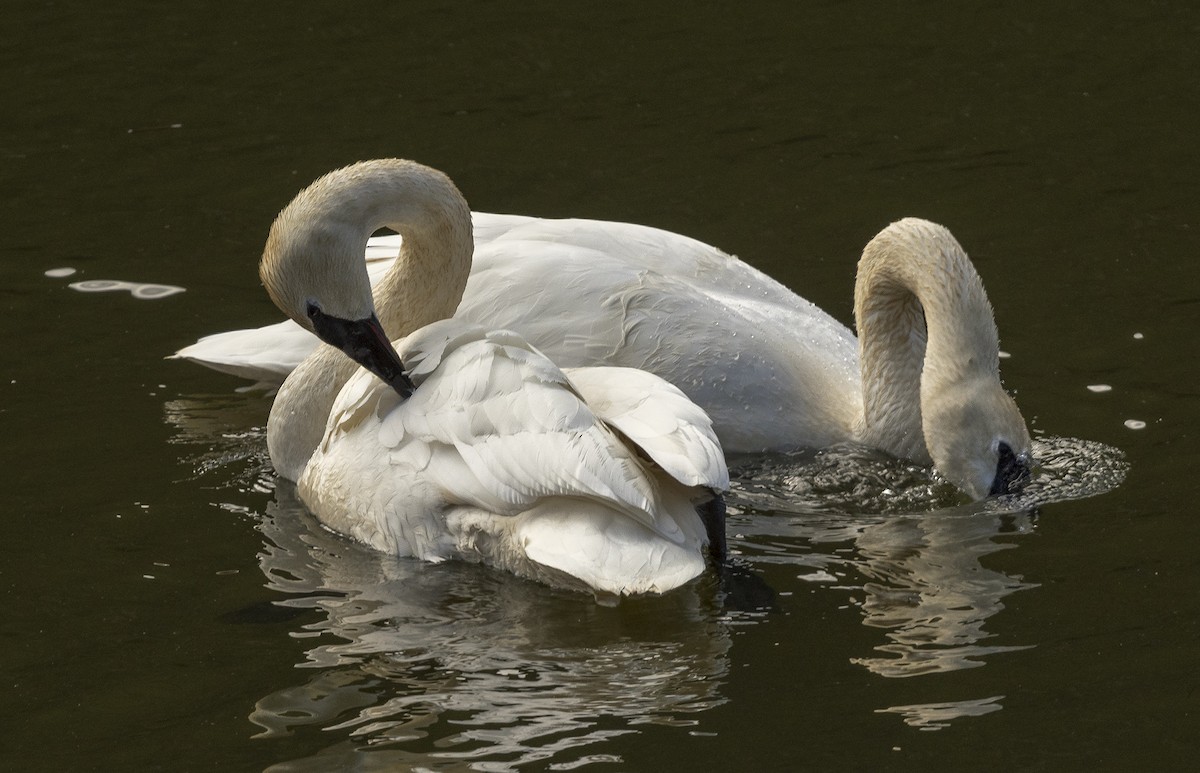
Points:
(1135, 424)
(147, 292)
(99, 285)
(56, 273)
(1099, 388)
(140, 290)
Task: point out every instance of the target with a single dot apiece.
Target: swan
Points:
(772, 370)
(463, 441)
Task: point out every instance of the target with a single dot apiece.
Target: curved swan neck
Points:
(924, 322)
(317, 244)
(314, 254)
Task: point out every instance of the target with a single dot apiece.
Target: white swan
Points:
(483, 450)
(773, 371)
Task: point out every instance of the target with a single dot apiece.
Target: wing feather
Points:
(503, 426)
(659, 419)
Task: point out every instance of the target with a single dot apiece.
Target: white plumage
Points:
(496, 457)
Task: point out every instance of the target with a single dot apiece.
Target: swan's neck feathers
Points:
(315, 253)
(301, 409)
(924, 323)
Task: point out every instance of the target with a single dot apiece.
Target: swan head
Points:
(977, 438)
(312, 268)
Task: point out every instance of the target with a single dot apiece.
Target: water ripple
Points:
(906, 545)
(851, 479)
(463, 663)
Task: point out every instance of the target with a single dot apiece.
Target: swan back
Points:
(771, 369)
(930, 357)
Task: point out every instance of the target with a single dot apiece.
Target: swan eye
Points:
(312, 310)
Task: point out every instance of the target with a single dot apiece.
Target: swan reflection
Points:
(927, 587)
(935, 716)
(461, 662)
(847, 514)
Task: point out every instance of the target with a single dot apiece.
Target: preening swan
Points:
(463, 441)
(773, 371)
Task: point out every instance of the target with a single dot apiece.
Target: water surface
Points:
(169, 607)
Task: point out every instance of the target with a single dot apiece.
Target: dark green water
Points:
(165, 608)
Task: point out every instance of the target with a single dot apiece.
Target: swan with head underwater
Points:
(465, 442)
(771, 369)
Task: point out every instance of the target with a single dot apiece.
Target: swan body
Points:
(463, 441)
(772, 370)
(498, 456)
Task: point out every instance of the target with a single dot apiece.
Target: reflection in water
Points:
(927, 587)
(461, 662)
(923, 577)
(920, 576)
(428, 664)
(935, 716)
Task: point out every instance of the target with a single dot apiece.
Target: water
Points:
(168, 607)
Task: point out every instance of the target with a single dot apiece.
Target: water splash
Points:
(225, 439)
(852, 479)
(841, 479)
